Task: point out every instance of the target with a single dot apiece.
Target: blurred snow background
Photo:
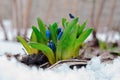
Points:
(9, 46)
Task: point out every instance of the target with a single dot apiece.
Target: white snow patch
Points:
(95, 70)
(11, 47)
(109, 36)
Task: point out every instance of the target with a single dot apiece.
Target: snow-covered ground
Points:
(95, 70)
(11, 47)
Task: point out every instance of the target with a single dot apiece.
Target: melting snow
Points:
(11, 47)
(95, 70)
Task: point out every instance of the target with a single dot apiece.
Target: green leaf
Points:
(66, 24)
(73, 34)
(63, 22)
(83, 37)
(33, 37)
(41, 26)
(102, 45)
(70, 39)
(69, 28)
(69, 52)
(39, 35)
(81, 28)
(69, 35)
(53, 30)
(66, 44)
(58, 52)
(25, 44)
(46, 50)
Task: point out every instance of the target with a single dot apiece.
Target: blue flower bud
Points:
(52, 46)
(71, 16)
(48, 34)
(59, 30)
(59, 35)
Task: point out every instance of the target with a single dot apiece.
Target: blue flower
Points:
(71, 16)
(59, 30)
(52, 46)
(59, 35)
(48, 34)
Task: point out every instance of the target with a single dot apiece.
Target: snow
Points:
(11, 47)
(109, 36)
(95, 70)
(8, 28)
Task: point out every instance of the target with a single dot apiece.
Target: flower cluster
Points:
(57, 43)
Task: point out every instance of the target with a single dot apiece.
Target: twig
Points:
(101, 7)
(19, 16)
(27, 15)
(5, 32)
(14, 15)
(110, 19)
(93, 19)
(112, 11)
(49, 11)
(68, 62)
(93, 13)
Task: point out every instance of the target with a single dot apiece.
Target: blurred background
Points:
(17, 16)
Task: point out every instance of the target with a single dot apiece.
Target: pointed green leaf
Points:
(46, 50)
(82, 27)
(58, 52)
(66, 24)
(41, 26)
(24, 43)
(83, 36)
(65, 47)
(69, 52)
(33, 37)
(38, 34)
(63, 22)
(66, 38)
(54, 30)
(69, 28)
